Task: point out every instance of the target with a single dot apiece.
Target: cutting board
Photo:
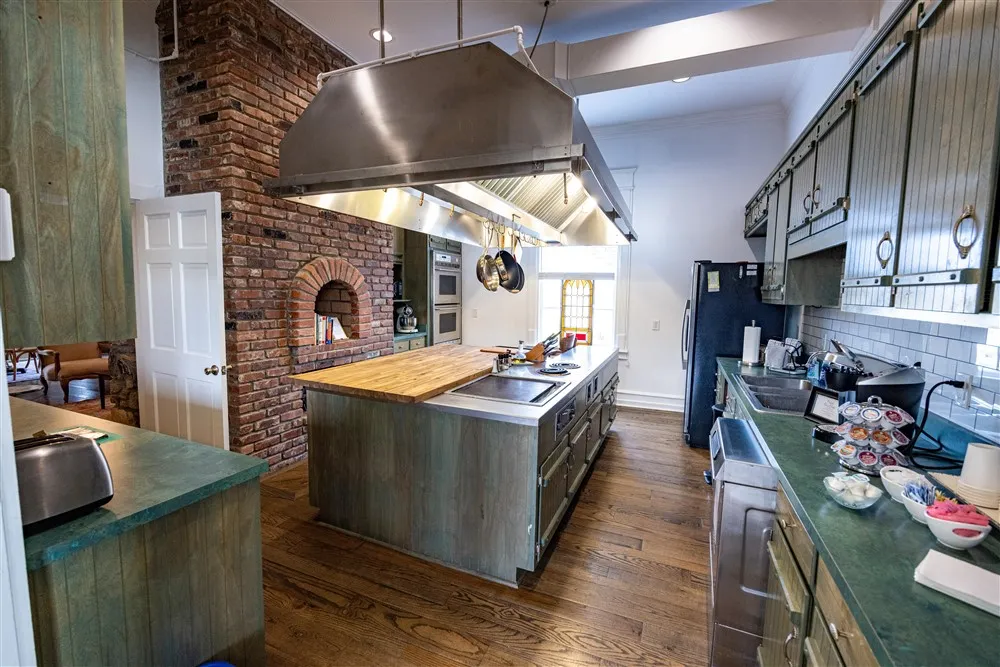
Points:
(407, 377)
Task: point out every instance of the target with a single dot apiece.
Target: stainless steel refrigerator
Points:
(724, 299)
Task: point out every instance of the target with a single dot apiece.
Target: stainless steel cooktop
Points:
(510, 389)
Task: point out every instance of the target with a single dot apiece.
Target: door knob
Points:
(214, 370)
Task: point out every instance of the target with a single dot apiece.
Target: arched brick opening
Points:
(328, 285)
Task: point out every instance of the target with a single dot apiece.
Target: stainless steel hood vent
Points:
(442, 143)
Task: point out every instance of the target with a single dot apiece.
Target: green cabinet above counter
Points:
(899, 171)
(63, 159)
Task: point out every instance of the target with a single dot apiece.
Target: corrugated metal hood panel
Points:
(442, 142)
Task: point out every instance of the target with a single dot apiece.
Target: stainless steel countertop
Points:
(590, 359)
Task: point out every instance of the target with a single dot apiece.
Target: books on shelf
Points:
(329, 329)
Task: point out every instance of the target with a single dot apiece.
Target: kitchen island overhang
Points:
(476, 484)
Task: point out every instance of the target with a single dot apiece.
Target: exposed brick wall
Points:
(245, 73)
(328, 286)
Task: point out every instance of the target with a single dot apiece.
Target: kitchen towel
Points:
(963, 581)
(751, 344)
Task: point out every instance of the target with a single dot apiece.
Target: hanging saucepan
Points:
(486, 269)
(505, 262)
(515, 274)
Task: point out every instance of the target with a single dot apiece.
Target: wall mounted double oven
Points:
(446, 296)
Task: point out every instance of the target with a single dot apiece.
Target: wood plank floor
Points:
(625, 583)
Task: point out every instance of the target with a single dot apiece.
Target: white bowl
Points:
(917, 510)
(944, 532)
(894, 478)
(843, 499)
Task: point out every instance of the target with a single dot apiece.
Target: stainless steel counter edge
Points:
(591, 360)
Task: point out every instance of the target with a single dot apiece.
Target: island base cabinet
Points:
(553, 496)
(180, 590)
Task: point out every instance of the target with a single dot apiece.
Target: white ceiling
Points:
(750, 87)
(419, 23)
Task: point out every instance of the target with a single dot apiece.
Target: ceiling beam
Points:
(758, 35)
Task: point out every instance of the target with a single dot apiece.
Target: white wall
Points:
(144, 127)
(498, 318)
(817, 77)
(694, 176)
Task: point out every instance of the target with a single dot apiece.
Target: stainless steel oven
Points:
(446, 324)
(446, 276)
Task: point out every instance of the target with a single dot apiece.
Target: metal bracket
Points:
(956, 277)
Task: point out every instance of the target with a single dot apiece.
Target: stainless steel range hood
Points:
(440, 143)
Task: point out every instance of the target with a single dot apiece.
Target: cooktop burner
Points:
(564, 365)
(551, 370)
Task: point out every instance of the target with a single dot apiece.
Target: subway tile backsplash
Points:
(944, 350)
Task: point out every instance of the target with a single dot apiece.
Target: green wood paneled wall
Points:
(180, 590)
(63, 158)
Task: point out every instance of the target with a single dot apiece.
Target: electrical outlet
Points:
(965, 395)
(372, 354)
(656, 325)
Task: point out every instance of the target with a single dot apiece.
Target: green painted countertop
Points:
(153, 475)
(872, 553)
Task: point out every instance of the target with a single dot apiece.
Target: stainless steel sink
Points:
(776, 394)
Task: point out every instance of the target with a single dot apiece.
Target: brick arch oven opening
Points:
(329, 286)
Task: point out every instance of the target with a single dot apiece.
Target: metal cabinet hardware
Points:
(956, 277)
(968, 213)
(836, 633)
(928, 12)
(884, 65)
(883, 259)
(788, 642)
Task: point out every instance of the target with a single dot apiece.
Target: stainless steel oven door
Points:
(447, 324)
(447, 286)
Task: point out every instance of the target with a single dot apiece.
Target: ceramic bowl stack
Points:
(871, 435)
(980, 480)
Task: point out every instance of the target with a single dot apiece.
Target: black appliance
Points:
(724, 299)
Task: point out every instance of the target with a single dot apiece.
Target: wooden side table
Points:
(14, 354)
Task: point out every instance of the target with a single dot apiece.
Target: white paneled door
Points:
(181, 347)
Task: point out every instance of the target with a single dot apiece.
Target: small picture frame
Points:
(822, 407)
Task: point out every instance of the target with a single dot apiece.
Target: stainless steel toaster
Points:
(60, 477)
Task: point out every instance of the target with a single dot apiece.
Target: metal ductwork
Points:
(443, 142)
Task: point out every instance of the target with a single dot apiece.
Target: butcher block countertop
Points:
(406, 377)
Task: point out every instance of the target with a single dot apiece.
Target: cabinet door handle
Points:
(968, 213)
(788, 642)
(815, 200)
(805, 202)
(883, 259)
(837, 633)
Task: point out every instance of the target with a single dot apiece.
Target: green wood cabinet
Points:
(63, 159)
(778, 211)
(901, 164)
(948, 206)
(828, 200)
(884, 88)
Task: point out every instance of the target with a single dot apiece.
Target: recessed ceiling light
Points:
(681, 80)
(380, 35)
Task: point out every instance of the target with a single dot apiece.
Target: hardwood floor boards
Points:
(625, 583)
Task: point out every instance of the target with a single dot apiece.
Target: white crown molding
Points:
(690, 120)
(650, 401)
(311, 28)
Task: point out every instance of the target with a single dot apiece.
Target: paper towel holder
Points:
(752, 364)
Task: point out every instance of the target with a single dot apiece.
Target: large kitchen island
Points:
(429, 452)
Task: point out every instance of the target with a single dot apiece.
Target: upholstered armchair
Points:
(65, 363)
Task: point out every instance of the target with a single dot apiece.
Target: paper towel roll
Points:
(751, 345)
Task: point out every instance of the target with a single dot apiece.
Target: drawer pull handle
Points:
(884, 259)
(968, 213)
(837, 633)
(785, 525)
(788, 642)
